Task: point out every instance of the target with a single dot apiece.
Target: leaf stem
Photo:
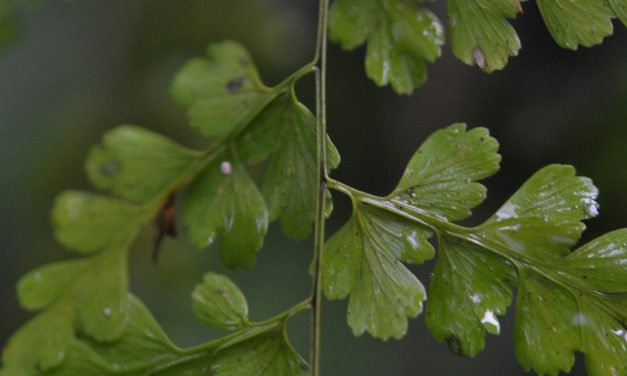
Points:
(252, 331)
(320, 59)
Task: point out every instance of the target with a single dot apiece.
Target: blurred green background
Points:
(82, 67)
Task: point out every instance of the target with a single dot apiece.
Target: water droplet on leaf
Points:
(478, 57)
(225, 168)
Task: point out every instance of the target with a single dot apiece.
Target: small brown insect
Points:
(166, 226)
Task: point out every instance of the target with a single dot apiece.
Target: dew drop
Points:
(621, 333)
(490, 322)
(580, 319)
(225, 168)
(107, 312)
(478, 57)
(590, 209)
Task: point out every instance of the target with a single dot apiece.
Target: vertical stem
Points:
(321, 132)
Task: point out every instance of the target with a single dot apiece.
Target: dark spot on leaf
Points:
(455, 345)
(235, 84)
(109, 168)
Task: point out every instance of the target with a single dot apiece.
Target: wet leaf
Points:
(222, 93)
(545, 339)
(480, 33)
(219, 303)
(584, 22)
(363, 260)
(267, 354)
(602, 263)
(223, 202)
(286, 132)
(552, 322)
(543, 218)
(469, 289)
(138, 164)
(401, 38)
(87, 223)
(440, 177)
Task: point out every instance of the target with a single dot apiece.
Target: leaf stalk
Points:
(320, 59)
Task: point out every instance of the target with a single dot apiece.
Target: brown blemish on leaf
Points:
(166, 226)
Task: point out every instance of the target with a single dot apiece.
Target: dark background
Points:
(80, 68)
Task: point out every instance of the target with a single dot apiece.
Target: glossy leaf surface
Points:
(219, 303)
(221, 93)
(138, 164)
(553, 322)
(401, 38)
(440, 177)
(469, 289)
(223, 202)
(544, 216)
(567, 301)
(601, 264)
(364, 260)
